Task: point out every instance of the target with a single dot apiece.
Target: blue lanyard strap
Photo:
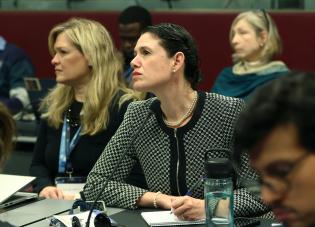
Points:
(127, 74)
(66, 146)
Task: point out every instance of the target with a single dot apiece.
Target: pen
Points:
(195, 185)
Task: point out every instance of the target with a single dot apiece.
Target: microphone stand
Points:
(116, 167)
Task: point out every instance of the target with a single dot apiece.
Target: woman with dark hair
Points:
(171, 142)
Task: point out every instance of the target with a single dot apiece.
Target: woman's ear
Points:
(179, 59)
(89, 62)
(263, 36)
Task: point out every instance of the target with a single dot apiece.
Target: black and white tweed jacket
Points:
(172, 160)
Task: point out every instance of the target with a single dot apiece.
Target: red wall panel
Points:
(29, 30)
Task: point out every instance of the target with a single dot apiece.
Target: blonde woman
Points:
(255, 41)
(85, 108)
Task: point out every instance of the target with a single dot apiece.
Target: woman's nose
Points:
(234, 39)
(134, 62)
(54, 60)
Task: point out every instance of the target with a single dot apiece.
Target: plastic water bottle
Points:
(218, 189)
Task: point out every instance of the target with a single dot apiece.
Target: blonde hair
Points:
(7, 131)
(95, 43)
(261, 21)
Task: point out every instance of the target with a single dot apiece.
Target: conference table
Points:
(38, 213)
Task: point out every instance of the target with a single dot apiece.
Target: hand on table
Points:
(188, 208)
(52, 192)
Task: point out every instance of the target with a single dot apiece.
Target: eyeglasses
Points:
(281, 183)
(280, 180)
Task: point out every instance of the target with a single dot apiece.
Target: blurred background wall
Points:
(27, 23)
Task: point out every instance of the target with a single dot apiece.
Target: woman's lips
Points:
(135, 74)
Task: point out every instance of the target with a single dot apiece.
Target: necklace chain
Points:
(74, 121)
(186, 115)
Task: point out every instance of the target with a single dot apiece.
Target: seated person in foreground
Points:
(14, 66)
(168, 134)
(255, 41)
(7, 128)
(84, 109)
(277, 130)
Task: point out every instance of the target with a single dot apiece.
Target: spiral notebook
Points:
(166, 218)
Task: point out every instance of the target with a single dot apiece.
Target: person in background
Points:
(85, 108)
(14, 66)
(132, 21)
(277, 129)
(7, 131)
(170, 133)
(255, 41)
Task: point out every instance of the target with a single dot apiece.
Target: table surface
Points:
(37, 214)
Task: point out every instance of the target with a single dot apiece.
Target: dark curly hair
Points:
(135, 14)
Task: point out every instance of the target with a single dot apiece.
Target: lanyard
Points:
(127, 74)
(66, 146)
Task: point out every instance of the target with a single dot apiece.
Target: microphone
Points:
(116, 167)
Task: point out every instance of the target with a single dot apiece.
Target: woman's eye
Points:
(145, 52)
(61, 51)
(242, 32)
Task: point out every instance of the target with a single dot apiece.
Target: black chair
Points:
(37, 90)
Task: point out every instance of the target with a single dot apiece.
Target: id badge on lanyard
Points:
(66, 147)
(70, 185)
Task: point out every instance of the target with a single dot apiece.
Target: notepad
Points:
(166, 218)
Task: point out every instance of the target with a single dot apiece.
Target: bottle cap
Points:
(218, 168)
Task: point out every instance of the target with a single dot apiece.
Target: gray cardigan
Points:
(171, 159)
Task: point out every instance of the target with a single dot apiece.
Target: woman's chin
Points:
(139, 87)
